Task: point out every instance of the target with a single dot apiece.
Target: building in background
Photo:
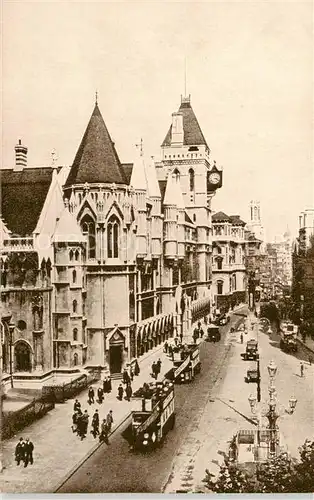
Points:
(229, 250)
(255, 224)
(103, 261)
(306, 229)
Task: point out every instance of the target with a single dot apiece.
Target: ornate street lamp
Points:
(252, 401)
(292, 405)
(272, 369)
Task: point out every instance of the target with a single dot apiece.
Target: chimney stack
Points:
(20, 157)
(177, 129)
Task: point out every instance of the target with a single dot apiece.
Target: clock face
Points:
(214, 178)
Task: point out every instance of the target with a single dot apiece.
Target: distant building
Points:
(306, 229)
(255, 223)
(229, 250)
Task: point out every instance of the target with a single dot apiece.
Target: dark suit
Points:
(29, 448)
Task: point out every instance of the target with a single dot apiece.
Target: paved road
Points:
(116, 469)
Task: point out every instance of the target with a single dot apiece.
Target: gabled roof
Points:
(23, 195)
(96, 159)
(235, 219)
(221, 217)
(169, 198)
(127, 167)
(193, 135)
(67, 229)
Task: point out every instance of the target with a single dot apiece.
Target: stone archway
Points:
(22, 356)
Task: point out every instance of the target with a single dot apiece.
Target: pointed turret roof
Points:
(169, 198)
(152, 181)
(178, 196)
(96, 159)
(193, 135)
(67, 229)
(138, 176)
(220, 217)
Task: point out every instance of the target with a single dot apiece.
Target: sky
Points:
(249, 70)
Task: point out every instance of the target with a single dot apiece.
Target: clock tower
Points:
(186, 154)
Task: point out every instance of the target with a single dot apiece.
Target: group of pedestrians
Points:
(24, 452)
(80, 422)
(105, 389)
(156, 368)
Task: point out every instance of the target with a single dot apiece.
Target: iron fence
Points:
(15, 421)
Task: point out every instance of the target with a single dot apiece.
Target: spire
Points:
(192, 133)
(169, 192)
(138, 177)
(152, 181)
(96, 160)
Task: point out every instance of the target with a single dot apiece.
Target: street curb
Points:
(304, 345)
(86, 457)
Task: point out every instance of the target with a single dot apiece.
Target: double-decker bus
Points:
(186, 363)
(153, 415)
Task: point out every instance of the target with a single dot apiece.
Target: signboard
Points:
(154, 415)
(182, 367)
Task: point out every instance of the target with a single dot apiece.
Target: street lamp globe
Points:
(292, 403)
(272, 369)
(252, 400)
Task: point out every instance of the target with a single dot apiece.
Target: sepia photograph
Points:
(157, 247)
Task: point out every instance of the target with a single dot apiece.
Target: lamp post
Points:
(271, 414)
(11, 330)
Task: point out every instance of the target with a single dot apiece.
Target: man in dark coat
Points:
(95, 424)
(91, 395)
(120, 392)
(29, 448)
(136, 368)
(84, 425)
(109, 420)
(158, 365)
(20, 451)
(104, 432)
(109, 384)
(154, 369)
(100, 395)
(77, 405)
(128, 392)
(126, 377)
(131, 374)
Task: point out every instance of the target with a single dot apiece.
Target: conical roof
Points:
(152, 181)
(67, 229)
(179, 201)
(96, 159)
(169, 198)
(193, 135)
(138, 176)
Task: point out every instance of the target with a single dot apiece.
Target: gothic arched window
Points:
(77, 255)
(74, 276)
(176, 172)
(88, 228)
(191, 177)
(71, 255)
(75, 334)
(74, 306)
(220, 286)
(75, 359)
(113, 237)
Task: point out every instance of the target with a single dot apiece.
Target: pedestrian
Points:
(195, 335)
(126, 377)
(77, 405)
(20, 451)
(166, 347)
(310, 360)
(109, 420)
(95, 424)
(131, 374)
(170, 350)
(100, 394)
(181, 338)
(153, 374)
(104, 432)
(301, 369)
(128, 392)
(120, 392)
(80, 425)
(109, 384)
(28, 455)
(241, 337)
(158, 366)
(84, 426)
(74, 421)
(91, 396)
(136, 368)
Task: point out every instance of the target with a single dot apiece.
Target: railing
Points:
(60, 393)
(17, 244)
(15, 421)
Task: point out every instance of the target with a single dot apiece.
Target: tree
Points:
(280, 474)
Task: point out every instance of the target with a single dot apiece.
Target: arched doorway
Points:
(23, 356)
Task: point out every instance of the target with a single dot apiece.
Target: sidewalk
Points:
(57, 449)
(308, 344)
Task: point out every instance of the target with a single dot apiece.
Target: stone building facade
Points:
(105, 260)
